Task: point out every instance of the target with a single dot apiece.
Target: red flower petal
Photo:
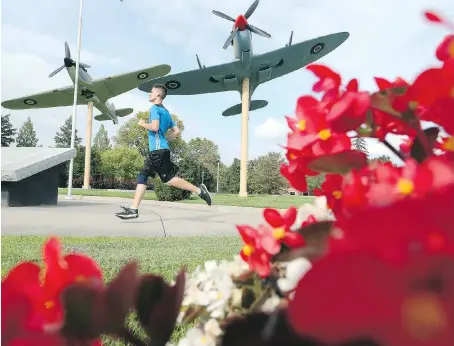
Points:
(273, 217)
(432, 17)
(247, 233)
(289, 216)
(22, 276)
(383, 83)
(82, 267)
(297, 181)
(293, 240)
(353, 85)
(435, 18)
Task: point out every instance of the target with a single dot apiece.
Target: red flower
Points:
(349, 112)
(332, 189)
(445, 50)
(295, 177)
(329, 81)
(253, 252)
(405, 146)
(393, 275)
(39, 302)
(281, 226)
(374, 300)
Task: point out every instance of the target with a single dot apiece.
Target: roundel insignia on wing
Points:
(30, 102)
(142, 75)
(173, 84)
(317, 48)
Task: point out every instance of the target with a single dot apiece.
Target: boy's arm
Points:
(154, 118)
(174, 131)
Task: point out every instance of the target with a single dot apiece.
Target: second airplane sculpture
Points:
(257, 68)
(98, 91)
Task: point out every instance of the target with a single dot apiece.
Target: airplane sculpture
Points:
(97, 91)
(258, 68)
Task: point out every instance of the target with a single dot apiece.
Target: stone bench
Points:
(30, 176)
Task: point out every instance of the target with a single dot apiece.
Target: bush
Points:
(190, 171)
(169, 193)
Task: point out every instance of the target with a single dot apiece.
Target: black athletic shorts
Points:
(158, 161)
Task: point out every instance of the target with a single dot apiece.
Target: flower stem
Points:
(394, 150)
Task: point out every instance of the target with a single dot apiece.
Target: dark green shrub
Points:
(190, 171)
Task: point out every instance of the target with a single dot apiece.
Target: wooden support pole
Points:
(88, 145)
(244, 137)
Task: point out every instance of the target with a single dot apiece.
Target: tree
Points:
(121, 163)
(27, 135)
(63, 138)
(232, 182)
(381, 158)
(359, 143)
(265, 177)
(223, 177)
(205, 153)
(8, 131)
(132, 135)
(79, 166)
(101, 142)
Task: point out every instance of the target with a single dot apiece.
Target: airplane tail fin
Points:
(254, 105)
(119, 113)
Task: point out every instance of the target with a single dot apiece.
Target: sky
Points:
(388, 38)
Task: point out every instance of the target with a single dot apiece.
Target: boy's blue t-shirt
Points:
(157, 140)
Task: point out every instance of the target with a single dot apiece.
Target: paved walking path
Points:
(94, 216)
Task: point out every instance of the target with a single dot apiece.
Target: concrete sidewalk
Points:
(95, 216)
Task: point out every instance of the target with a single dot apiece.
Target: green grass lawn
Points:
(258, 201)
(161, 256)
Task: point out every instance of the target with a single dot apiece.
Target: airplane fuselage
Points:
(242, 48)
(242, 51)
(92, 94)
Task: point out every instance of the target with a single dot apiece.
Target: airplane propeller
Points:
(68, 62)
(241, 23)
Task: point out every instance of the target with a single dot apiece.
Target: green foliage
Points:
(205, 153)
(232, 177)
(223, 178)
(122, 163)
(383, 158)
(8, 131)
(315, 182)
(63, 138)
(359, 143)
(27, 135)
(132, 135)
(101, 142)
(189, 171)
(264, 175)
(95, 164)
(79, 167)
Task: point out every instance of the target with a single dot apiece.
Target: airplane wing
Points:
(211, 79)
(60, 97)
(279, 62)
(121, 83)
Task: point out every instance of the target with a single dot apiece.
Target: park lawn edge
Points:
(114, 252)
(253, 201)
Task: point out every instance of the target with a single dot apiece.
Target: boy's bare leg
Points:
(183, 184)
(138, 195)
(201, 191)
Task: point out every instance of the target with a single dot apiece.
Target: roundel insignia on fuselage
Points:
(30, 102)
(173, 84)
(142, 75)
(317, 48)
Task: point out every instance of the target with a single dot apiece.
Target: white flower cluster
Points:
(318, 209)
(212, 285)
